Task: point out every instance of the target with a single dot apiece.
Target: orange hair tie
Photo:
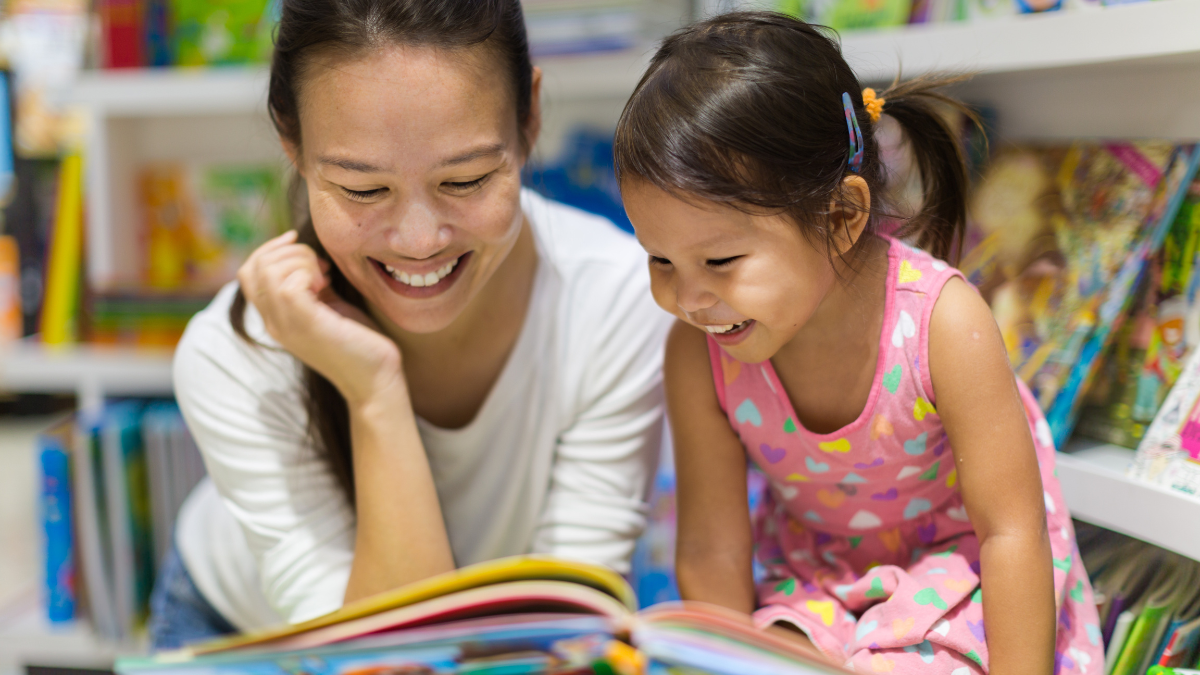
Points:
(873, 104)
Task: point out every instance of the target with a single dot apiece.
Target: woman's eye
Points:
(466, 185)
(661, 262)
(721, 262)
(363, 195)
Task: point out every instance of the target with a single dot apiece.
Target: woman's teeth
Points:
(727, 328)
(419, 280)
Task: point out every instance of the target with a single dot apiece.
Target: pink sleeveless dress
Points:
(863, 533)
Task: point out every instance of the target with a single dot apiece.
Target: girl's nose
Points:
(693, 297)
(417, 232)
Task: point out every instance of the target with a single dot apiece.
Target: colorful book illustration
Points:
(450, 622)
(1059, 237)
(200, 222)
(221, 32)
(1169, 454)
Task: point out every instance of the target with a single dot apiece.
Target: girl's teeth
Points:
(726, 328)
(421, 280)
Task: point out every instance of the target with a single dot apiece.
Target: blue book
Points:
(53, 447)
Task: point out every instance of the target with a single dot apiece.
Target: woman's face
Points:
(412, 157)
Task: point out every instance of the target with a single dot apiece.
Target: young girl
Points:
(913, 500)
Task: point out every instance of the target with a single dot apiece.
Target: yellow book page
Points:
(516, 568)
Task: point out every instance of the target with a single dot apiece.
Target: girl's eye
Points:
(363, 195)
(465, 186)
(722, 262)
(661, 262)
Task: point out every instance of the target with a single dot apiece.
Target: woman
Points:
(439, 367)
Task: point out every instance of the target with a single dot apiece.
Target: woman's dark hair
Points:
(745, 109)
(349, 28)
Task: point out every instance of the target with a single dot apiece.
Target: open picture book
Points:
(511, 616)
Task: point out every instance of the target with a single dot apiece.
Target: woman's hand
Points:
(289, 286)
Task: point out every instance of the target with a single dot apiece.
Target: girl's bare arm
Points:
(979, 404)
(713, 545)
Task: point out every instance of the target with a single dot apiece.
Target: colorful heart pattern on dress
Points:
(881, 663)
(932, 473)
(730, 369)
(907, 471)
(891, 539)
(977, 630)
(905, 328)
(928, 596)
(789, 426)
(815, 466)
(823, 609)
(747, 413)
(880, 427)
(901, 627)
(865, 520)
(831, 498)
(922, 408)
(908, 273)
(853, 478)
(916, 446)
(864, 629)
(924, 650)
(916, 507)
(772, 455)
(886, 496)
(876, 591)
(878, 461)
(840, 445)
(891, 379)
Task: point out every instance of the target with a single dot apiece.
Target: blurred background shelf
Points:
(1097, 491)
(153, 92)
(1144, 35)
(90, 371)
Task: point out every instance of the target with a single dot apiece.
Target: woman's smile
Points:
(425, 281)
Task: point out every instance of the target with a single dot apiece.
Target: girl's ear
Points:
(849, 212)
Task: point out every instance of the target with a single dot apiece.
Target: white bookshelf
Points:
(1097, 491)
(92, 372)
(1146, 35)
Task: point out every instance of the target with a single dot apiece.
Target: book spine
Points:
(121, 29)
(158, 33)
(58, 527)
(61, 302)
(89, 518)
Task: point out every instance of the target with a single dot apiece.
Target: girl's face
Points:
(412, 157)
(751, 281)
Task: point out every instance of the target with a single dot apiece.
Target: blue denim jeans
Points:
(179, 614)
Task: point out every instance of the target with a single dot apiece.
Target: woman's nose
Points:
(418, 231)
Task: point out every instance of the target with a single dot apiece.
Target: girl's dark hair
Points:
(308, 28)
(745, 109)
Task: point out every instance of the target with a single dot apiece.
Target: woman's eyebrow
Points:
(350, 164)
(490, 150)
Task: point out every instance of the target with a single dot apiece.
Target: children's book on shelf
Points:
(222, 32)
(1059, 237)
(1149, 602)
(1169, 454)
(515, 615)
(200, 222)
(113, 481)
(54, 456)
(1150, 349)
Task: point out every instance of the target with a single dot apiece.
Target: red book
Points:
(122, 33)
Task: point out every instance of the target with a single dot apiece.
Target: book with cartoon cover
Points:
(1058, 238)
(526, 614)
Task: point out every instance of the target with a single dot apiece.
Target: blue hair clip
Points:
(856, 139)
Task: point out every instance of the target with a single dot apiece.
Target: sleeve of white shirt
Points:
(243, 405)
(605, 459)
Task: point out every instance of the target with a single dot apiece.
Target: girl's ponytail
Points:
(920, 109)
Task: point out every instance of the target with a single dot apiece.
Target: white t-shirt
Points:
(557, 461)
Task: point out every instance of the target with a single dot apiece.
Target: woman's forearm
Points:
(1018, 603)
(401, 536)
